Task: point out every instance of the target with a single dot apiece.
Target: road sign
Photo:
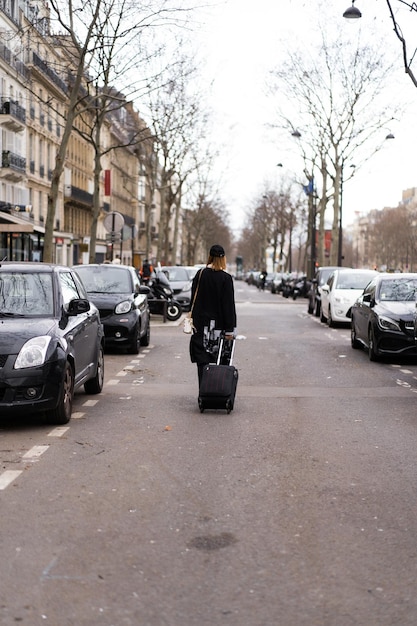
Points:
(114, 222)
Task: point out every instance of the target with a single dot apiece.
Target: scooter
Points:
(161, 297)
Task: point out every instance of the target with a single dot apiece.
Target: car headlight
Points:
(123, 307)
(341, 300)
(33, 353)
(387, 324)
(187, 288)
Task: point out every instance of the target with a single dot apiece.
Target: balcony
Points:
(45, 71)
(23, 211)
(12, 115)
(13, 166)
(75, 195)
(10, 58)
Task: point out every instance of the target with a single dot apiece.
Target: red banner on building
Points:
(107, 182)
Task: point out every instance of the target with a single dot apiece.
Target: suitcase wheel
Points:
(200, 404)
(229, 406)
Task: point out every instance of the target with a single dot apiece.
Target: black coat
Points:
(215, 300)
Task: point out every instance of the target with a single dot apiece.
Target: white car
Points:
(343, 288)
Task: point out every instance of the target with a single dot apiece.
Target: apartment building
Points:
(35, 79)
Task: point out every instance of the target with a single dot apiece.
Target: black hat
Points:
(217, 250)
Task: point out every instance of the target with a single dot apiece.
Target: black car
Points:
(314, 293)
(51, 340)
(122, 301)
(383, 316)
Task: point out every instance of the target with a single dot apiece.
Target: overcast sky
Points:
(241, 40)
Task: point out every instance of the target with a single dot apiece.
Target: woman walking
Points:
(213, 309)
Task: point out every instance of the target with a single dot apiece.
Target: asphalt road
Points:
(297, 509)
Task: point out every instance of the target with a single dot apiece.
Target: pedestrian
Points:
(213, 309)
(146, 271)
(262, 278)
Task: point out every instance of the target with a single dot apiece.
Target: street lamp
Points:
(352, 13)
(311, 194)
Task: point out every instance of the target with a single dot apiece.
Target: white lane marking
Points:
(121, 373)
(35, 452)
(8, 477)
(58, 431)
(77, 415)
(403, 383)
(90, 403)
(406, 371)
(113, 381)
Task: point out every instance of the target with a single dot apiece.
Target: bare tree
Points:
(178, 119)
(392, 238)
(90, 31)
(337, 99)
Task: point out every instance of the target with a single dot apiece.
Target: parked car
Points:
(288, 284)
(314, 294)
(276, 282)
(51, 340)
(383, 317)
(342, 289)
(180, 279)
(122, 301)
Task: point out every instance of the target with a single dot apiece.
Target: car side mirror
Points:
(144, 290)
(325, 288)
(368, 299)
(77, 306)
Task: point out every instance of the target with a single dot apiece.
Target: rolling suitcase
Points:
(219, 380)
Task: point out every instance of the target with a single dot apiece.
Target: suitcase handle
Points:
(220, 353)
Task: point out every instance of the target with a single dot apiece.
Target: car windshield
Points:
(105, 279)
(398, 290)
(352, 281)
(176, 273)
(24, 294)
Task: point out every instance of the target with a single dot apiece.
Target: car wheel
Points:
(372, 353)
(95, 385)
(134, 345)
(62, 413)
(330, 322)
(353, 340)
(145, 340)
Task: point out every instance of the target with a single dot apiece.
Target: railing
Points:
(81, 196)
(10, 58)
(11, 107)
(14, 161)
(49, 72)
